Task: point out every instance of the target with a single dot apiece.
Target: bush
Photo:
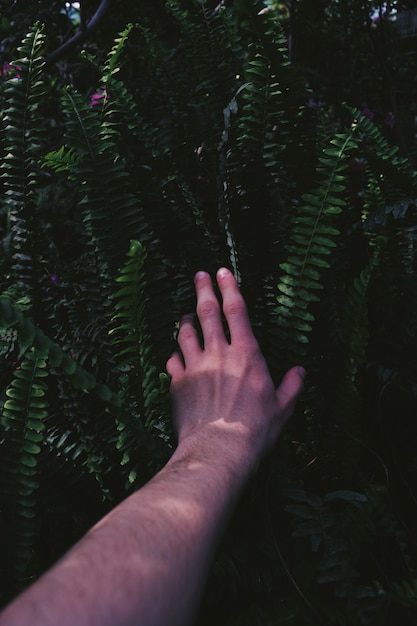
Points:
(197, 147)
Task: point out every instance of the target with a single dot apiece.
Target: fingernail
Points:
(188, 317)
(223, 272)
(200, 275)
(301, 371)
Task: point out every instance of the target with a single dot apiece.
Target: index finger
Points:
(234, 309)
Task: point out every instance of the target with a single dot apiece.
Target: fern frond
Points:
(61, 160)
(81, 438)
(111, 210)
(112, 64)
(22, 140)
(256, 184)
(28, 335)
(200, 39)
(312, 239)
(324, 522)
(394, 173)
(134, 343)
(133, 347)
(262, 124)
(23, 423)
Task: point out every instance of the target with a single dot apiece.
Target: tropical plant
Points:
(208, 153)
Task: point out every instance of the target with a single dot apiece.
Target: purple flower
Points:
(54, 279)
(7, 68)
(99, 97)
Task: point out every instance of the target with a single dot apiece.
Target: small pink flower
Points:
(98, 97)
(7, 69)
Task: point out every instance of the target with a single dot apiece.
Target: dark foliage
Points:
(193, 142)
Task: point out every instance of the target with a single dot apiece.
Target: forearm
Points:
(147, 561)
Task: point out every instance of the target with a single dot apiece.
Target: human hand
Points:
(223, 396)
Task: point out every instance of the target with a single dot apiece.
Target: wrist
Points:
(226, 447)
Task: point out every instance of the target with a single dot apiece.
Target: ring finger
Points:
(188, 339)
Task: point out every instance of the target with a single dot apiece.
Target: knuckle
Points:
(234, 307)
(207, 308)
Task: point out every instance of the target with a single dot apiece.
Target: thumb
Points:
(289, 391)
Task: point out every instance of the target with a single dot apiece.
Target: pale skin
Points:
(146, 562)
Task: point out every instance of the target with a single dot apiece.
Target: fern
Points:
(23, 423)
(200, 39)
(324, 522)
(135, 367)
(204, 150)
(312, 239)
(253, 181)
(93, 138)
(29, 335)
(104, 182)
(395, 176)
(134, 341)
(21, 142)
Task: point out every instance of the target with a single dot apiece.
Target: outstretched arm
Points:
(146, 562)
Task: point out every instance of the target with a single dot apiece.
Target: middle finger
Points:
(208, 311)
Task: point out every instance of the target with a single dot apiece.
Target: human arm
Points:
(146, 562)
